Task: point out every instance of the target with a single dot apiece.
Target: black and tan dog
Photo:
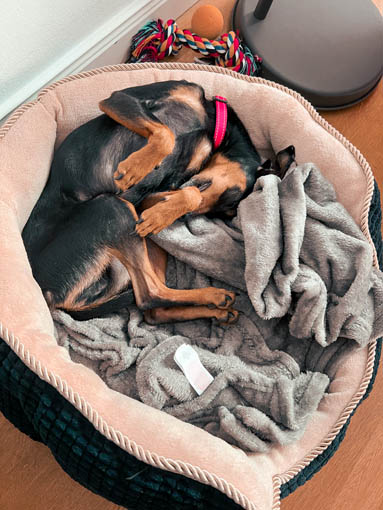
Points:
(152, 149)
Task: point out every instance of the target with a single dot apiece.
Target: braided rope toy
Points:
(157, 40)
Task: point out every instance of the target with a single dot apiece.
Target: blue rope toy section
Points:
(39, 411)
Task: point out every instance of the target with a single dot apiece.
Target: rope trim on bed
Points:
(92, 415)
(14, 117)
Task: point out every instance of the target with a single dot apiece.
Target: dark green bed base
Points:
(39, 411)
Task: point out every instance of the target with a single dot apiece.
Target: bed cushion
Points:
(275, 118)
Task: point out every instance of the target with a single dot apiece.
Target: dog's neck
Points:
(236, 135)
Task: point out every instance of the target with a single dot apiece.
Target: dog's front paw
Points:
(128, 174)
(152, 221)
(170, 208)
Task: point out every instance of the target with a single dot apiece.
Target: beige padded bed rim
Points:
(85, 408)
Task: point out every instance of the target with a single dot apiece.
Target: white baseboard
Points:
(109, 44)
(117, 51)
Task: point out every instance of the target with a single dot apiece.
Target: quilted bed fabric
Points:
(39, 411)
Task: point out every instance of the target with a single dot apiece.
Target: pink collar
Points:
(220, 120)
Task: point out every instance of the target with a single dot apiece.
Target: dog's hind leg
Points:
(158, 259)
(130, 112)
(185, 313)
(151, 292)
(76, 270)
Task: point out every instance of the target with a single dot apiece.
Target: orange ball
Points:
(207, 21)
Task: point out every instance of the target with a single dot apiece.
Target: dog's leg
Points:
(150, 290)
(132, 113)
(158, 259)
(165, 208)
(185, 313)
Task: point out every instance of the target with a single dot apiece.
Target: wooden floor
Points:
(30, 479)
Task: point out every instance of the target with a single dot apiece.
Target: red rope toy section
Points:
(157, 40)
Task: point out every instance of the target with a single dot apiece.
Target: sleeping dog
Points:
(165, 151)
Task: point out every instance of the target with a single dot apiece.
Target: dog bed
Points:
(128, 452)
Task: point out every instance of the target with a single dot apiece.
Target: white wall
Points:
(44, 40)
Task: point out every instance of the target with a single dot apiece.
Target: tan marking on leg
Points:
(142, 127)
(186, 313)
(140, 163)
(158, 258)
(136, 166)
(152, 200)
(93, 272)
(174, 205)
(130, 207)
(207, 296)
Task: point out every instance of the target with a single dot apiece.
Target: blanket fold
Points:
(308, 296)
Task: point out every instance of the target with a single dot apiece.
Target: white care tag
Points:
(190, 364)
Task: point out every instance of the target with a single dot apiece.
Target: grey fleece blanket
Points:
(308, 296)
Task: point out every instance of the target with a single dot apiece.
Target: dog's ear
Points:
(266, 165)
(285, 158)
